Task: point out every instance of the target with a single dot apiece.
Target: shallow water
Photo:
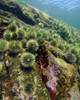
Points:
(65, 10)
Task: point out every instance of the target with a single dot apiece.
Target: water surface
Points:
(65, 10)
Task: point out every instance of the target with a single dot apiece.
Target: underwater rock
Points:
(50, 77)
(49, 74)
(58, 78)
(16, 10)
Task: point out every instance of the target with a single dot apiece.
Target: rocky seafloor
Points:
(36, 58)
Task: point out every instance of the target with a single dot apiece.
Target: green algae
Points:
(0, 66)
(68, 72)
(67, 77)
(22, 77)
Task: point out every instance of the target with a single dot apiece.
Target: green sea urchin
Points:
(71, 58)
(31, 36)
(15, 46)
(41, 41)
(21, 34)
(27, 60)
(14, 36)
(3, 45)
(7, 35)
(12, 27)
(32, 46)
(29, 88)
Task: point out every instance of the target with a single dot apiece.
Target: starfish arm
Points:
(37, 61)
(44, 72)
(38, 65)
(43, 65)
(10, 83)
(41, 71)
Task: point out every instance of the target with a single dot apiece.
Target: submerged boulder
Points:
(58, 75)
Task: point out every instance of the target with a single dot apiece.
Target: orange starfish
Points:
(41, 67)
(10, 84)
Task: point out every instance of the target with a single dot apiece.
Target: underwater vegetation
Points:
(0, 66)
(21, 2)
(39, 56)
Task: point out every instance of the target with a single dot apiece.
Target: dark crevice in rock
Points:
(3, 27)
(16, 10)
(4, 24)
(42, 55)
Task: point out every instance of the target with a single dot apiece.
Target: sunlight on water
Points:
(63, 4)
(64, 10)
